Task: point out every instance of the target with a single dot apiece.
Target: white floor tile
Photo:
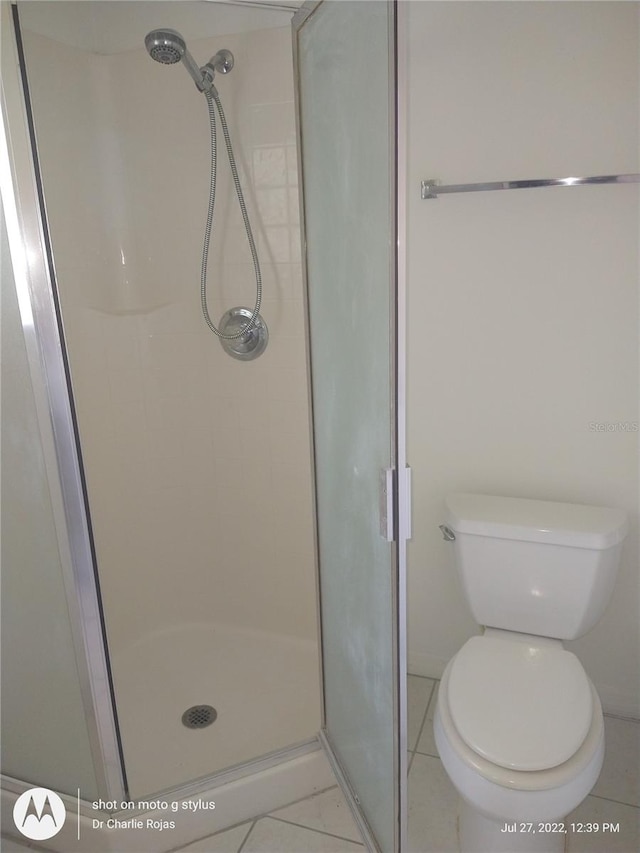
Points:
(8, 845)
(427, 743)
(418, 693)
(432, 807)
(275, 836)
(327, 812)
(433, 800)
(624, 839)
(619, 777)
(228, 841)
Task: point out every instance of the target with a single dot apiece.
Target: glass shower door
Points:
(346, 100)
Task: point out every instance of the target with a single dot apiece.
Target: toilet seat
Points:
(589, 755)
(519, 702)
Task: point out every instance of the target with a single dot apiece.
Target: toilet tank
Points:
(534, 566)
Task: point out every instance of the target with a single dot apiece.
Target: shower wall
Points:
(197, 465)
(523, 305)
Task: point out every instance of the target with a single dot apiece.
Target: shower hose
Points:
(212, 96)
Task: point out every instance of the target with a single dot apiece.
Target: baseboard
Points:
(429, 666)
(618, 703)
(235, 802)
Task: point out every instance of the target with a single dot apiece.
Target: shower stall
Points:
(203, 570)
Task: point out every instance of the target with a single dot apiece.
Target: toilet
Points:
(518, 724)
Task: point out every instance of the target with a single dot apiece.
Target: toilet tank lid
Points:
(575, 525)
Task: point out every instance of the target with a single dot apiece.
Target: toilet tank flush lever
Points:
(447, 534)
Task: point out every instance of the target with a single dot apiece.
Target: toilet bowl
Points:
(518, 724)
(504, 807)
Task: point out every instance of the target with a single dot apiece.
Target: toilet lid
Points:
(519, 705)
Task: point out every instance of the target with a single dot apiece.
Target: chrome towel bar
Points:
(432, 189)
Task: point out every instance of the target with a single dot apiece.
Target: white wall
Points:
(174, 431)
(523, 305)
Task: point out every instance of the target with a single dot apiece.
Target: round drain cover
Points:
(199, 716)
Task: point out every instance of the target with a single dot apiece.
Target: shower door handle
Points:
(387, 484)
(388, 481)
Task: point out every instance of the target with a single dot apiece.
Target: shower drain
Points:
(199, 716)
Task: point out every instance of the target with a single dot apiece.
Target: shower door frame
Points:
(35, 279)
(397, 59)
(34, 271)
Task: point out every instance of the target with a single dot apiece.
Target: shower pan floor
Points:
(263, 686)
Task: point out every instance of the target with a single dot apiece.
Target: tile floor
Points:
(432, 799)
(323, 823)
(319, 824)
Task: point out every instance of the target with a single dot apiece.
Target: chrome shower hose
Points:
(211, 96)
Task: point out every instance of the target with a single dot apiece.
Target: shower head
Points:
(165, 46)
(168, 47)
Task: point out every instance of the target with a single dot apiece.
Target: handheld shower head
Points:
(165, 46)
(168, 47)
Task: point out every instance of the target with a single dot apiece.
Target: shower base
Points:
(264, 687)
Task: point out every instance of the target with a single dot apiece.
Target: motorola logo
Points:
(39, 813)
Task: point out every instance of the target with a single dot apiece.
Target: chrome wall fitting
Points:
(222, 61)
(248, 346)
